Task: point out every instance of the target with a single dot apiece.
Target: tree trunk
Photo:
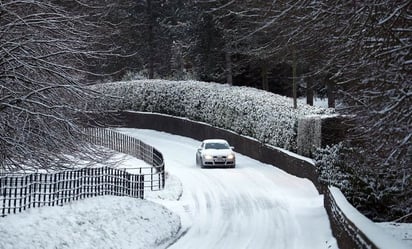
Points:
(294, 88)
(150, 39)
(265, 82)
(229, 75)
(330, 90)
(309, 93)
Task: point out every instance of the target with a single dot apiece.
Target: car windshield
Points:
(217, 146)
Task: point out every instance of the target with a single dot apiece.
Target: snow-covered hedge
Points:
(268, 117)
(331, 167)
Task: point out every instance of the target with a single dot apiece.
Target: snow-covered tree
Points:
(369, 57)
(42, 52)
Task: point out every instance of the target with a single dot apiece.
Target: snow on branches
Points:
(268, 117)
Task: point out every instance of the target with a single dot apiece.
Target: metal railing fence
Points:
(19, 192)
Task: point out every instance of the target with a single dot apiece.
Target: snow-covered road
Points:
(252, 206)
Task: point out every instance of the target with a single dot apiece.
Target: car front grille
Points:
(219, 160)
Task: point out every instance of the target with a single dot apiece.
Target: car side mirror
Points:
(232, 147)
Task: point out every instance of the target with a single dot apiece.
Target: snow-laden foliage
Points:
(368, 192)
(330, 166)
(43, 48)
(268, 117)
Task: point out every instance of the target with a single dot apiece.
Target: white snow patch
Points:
(374, 232)
(400, 231)
(99, 222)
(224, 198)
(254, 205)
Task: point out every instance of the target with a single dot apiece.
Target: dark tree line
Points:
(361, 50)
(358, 49)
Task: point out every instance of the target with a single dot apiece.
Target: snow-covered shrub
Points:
(130, 75)
(268, 117)
(376, 192)
(331, 167)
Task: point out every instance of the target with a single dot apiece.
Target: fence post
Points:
(71, 185)
(15, 194)
(26, 177)
(141, 186)
(124, 183)
(9, 188)
(163, 175)
(106, 186)
(95, 181)
(88, 185)
(65, 187)
(110, 180)
(35, 183)
(151, 178)
(21, 194)
(31, 190)
(46, 179)
(128, 190)
(81, 183)
(98, 179)
(4, 196)
(39, 187)
(114, 189)
(50, 179)
(54, 189)
(160, 180)
(59, 189)
(133, 185)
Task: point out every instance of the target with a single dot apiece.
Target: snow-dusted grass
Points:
(268, 117)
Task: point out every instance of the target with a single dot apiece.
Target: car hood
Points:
(214, 152)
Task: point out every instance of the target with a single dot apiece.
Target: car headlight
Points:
(208, 157)
(231, 156)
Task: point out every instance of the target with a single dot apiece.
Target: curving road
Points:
(254, 206)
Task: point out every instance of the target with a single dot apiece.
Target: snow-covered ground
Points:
(401, 231)
(319, 102)
(383, 235)
(100, 222)
(252, 206)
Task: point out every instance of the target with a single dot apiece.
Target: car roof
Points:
(215, 141)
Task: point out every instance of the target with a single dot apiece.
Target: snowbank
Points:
(100, 222)
(401, 231)
(268, 117)
(375, 233)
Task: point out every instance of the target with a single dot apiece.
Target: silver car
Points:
(215, 153)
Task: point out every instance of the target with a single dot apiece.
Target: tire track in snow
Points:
(254, 206)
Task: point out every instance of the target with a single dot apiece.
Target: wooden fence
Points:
(19, 192)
